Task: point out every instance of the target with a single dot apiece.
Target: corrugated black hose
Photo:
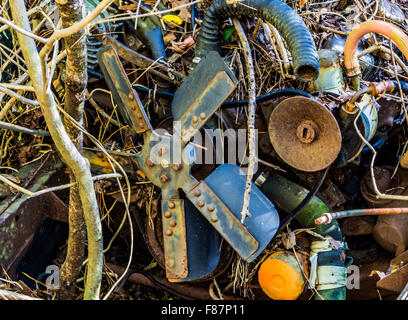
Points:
(292, 28)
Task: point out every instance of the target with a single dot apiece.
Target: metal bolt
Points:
(173, 223)
(214, 219)
(162, 151)
(210, 208)
(164, 178)
(201, 203)
(167, 214)
(195, 119)
(172, 205)
(150, 162)
(169, 233)
(202, 116)
(197, 192)
(306, 131)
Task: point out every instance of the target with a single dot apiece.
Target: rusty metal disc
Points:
(304, 134)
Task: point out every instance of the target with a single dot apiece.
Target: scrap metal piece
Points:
(128, 101)
(20, 216)
(395, 281)
(223, 220)
(228, 183)
(174, 238)
(167, 162)
(201, 94)
(305, 134)
(331, 75)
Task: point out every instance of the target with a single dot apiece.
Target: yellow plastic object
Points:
(281, 277)
(172, 20)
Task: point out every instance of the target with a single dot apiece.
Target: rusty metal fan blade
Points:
(128, 101)
(219, 198)
(201, 94)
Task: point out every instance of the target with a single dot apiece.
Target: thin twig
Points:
(251, 116)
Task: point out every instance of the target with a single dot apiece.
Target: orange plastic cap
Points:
(280, 277)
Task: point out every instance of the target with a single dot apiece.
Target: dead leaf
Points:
(289, 240)
(184, 13)
(169, 37)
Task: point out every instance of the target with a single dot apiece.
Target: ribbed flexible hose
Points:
(280, 15)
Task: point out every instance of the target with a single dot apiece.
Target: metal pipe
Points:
(328, 217)
(385, 28)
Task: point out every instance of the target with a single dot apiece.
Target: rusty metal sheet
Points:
(17, 226)
(223, 220)
(201, 94)
(174, 238)
(395, 281)
(305, 134)
(127, 99)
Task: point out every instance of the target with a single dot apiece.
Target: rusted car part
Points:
(167, 160)
(328, 217)
(287, 196)
(374, 89)
(397, 275)
(369, 64)
(305, 134)
(280, 15)
(330, 78)
(351, 61)
(395, 281)
(367, 124)
(20, 217)
(153, 234)
(185, 290)
(281, 275)
(164, 72)
(391, 232)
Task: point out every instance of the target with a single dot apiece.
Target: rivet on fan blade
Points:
(150, 162)
(167, 214)
(173, 223)
(164, 178)
(169, 233)
(162, 151)
(195, 119)
(214, 219)
(202, 116)
(176, 167)
(201, 203)
(197, 192)
(172, 205)
(210, 208)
